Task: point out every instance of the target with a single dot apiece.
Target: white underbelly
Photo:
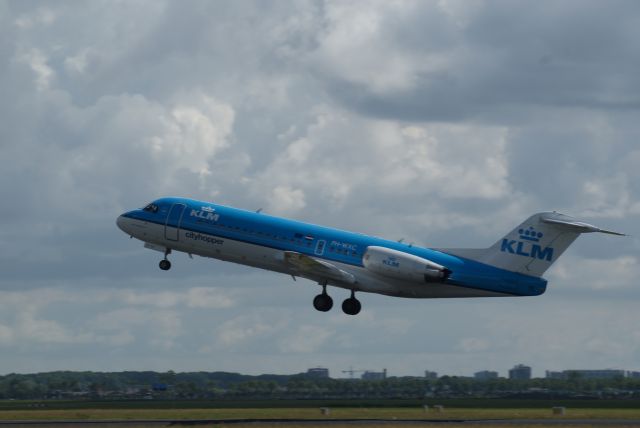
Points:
(263, 257)
(216, 247)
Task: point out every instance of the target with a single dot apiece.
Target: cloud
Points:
(284, 199)
(161, 327)
(195, 297)
(41, 16)
(39, 330)
(208, 298)
(38, 64)
(617, 274)
(611, 197)
(570, 337)
(445, 123)
(6, 335)
(441, 61)
(350, 162)
(473, 344)
(247, 330)
(28, 328)
(306, 339)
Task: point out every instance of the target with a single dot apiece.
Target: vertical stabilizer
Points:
(533, 246)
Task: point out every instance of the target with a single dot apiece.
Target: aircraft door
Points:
(320, 247)
(174, 219)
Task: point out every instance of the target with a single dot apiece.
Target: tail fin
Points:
(532, 247)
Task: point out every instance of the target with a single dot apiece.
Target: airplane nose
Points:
(121, 222)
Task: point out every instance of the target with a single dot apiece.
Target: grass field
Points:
(454, 409)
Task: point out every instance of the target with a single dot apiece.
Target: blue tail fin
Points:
(533, 246)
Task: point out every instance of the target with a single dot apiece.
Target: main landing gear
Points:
(351, 306)
(164, 263)
(323, 302)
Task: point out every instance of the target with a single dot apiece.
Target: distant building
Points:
(374, 375)
(520, 372)
(588, 374)
(485, 375)
(318, 373)
(633, 375)
(430, 375)
(596, 374)
(555, 375)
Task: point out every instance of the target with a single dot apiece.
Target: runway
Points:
(315, 422)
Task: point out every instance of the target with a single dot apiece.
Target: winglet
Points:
(573, 224)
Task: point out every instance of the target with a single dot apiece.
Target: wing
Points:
(309, 266)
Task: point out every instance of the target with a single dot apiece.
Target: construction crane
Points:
(351, 371)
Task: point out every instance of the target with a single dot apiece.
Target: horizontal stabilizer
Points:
(577, 226)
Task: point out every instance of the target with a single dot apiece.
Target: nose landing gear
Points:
(165, 264)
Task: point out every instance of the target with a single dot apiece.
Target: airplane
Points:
(513, 266)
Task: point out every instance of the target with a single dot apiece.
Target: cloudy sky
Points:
(444, 122)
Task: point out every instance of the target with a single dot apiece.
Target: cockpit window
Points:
(152, 208)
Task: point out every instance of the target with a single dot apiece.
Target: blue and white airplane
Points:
(513, 266)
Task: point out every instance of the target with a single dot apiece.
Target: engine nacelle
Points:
(396, 264)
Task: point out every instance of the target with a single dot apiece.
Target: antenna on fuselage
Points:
(259, 210)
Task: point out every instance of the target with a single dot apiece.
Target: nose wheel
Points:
(323, 302)
(351, 306)
(165, 264)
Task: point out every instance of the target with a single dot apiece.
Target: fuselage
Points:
(263, 241)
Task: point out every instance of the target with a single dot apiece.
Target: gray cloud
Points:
(488, 61)
(445, 123)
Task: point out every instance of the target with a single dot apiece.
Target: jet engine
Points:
(396, 264)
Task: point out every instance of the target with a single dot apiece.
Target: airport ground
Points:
(309, 414)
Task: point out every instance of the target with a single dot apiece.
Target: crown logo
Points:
(530, 234)
(208, 209)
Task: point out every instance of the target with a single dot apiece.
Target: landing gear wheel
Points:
(351, 306)
(165, 264)
(323, 302)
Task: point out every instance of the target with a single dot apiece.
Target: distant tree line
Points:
(221, 385)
